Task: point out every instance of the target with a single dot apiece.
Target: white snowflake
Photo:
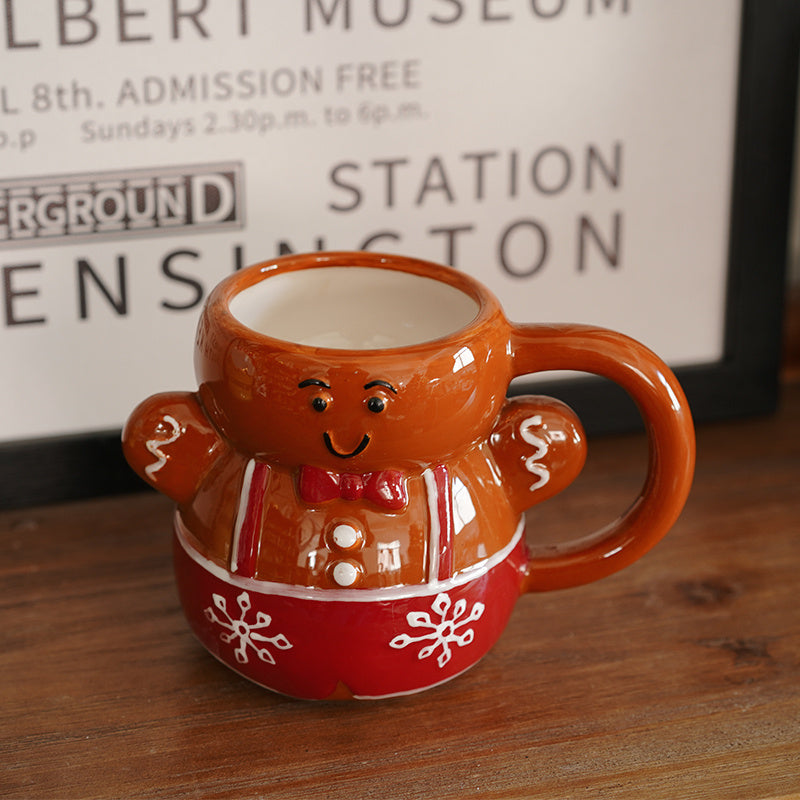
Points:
(245, 634)
(443, 631)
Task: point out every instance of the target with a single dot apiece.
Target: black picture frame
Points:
(744, 382)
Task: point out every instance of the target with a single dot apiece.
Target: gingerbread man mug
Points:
(351, 479)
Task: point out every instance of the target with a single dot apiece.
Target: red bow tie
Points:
(386, 488)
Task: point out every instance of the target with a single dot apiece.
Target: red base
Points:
(318, 643)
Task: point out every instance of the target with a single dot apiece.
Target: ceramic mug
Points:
(351, 479)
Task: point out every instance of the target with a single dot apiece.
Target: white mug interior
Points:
(355, 308)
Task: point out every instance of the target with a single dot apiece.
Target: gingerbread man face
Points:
(360, 410)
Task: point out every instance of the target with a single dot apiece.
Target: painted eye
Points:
(376, 404)
(319, 404)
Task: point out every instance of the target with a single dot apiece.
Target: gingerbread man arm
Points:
(540, 448)
(170, 443)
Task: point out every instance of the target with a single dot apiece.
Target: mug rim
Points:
(218, 302)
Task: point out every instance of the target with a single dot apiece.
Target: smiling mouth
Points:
(331, 449)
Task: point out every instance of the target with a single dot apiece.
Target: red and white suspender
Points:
(247, 527)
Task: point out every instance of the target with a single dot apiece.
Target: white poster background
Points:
(575, 155)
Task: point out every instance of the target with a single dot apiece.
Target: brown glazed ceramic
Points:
(349, 517)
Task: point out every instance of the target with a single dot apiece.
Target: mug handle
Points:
(670, 431)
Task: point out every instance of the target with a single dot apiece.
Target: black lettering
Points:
(399, 20)
(178, 15)
(553, 186)
(390, 164)
(435, 180)
(238, 257)
(10, 293)
(118, 303)
(512, 173)
(336, 181)
(450, 232)
(89, 25)
(487, 16)
(458, 12)
(540, 239)
(479, 159)
(606, 5)
(128, 93)
(613, 174)
(155, 89)
(327, 16)
(610, 253)
(122, 26)
(547, 13)
(12, 43)
(195, 285)
(244, 26)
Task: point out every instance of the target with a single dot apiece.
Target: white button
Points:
(345, 536)
(345, 573)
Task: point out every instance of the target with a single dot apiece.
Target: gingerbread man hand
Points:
(540, 448)
(171, 443)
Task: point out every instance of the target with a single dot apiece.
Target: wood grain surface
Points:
(677, 678)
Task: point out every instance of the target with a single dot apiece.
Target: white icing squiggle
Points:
(541, 472)
(155, 444)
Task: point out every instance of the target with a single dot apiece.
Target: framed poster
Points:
(613, 162)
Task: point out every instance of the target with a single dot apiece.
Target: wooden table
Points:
(677, 678)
